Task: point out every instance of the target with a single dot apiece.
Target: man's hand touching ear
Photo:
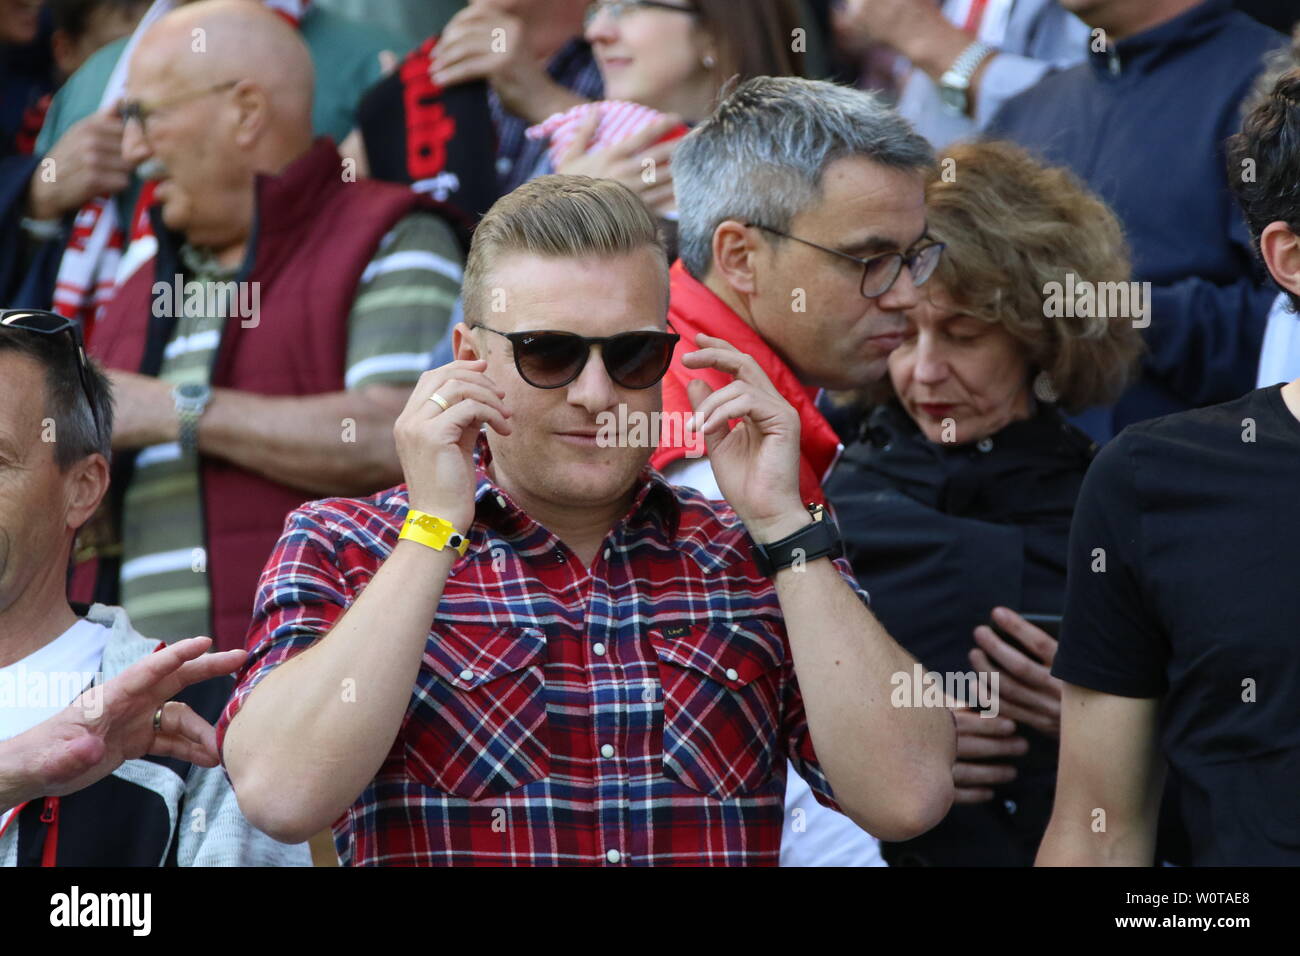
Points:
(756, 463)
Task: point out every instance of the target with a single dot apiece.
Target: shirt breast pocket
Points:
(721, 704)
(477, 723)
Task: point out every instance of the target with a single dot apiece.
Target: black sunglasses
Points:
(51, 323)
(547, 359)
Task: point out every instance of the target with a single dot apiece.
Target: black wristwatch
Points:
(818, 540)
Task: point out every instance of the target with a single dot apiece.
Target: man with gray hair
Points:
(801, 203)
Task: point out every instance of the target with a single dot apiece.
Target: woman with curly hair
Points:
(956, 495)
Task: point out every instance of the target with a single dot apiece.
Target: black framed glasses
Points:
(51, 323)
(548, 359)
(128, 110)
(880, 272)
(617, 9)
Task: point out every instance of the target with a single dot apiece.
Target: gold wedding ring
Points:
(442, 402)
(157, 720)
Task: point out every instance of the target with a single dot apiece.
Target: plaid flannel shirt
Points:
(637, 712)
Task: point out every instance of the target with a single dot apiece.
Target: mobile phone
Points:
(1051, 623)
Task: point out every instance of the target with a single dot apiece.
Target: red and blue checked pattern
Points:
(636, 712)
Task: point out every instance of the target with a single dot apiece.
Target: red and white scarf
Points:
(100, 254)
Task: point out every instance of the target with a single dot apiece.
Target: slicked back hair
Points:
(558, 217)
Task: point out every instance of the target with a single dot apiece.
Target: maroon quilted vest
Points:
(313, 236)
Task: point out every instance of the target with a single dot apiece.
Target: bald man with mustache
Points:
(261, 354)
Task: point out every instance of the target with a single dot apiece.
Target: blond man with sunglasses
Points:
(537, 651)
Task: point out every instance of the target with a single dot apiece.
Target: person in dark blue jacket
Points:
(1143, 122)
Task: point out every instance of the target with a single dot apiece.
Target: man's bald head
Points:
(211, 42)
(223, 92)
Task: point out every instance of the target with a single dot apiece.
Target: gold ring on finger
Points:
(442, 402)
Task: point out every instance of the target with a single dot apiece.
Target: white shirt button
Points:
(598, 648)
(613, 856)
(467, 674)
(606, 750)
(985, 444)
(731, 673)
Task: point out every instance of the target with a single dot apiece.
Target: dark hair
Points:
(73, 16)
(757, 41)
(65, 399)
(1264, 161)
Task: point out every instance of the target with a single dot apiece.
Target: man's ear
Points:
(1280, 248)
(733, 256)
(254, 111)
(87, 483)
(464, 345)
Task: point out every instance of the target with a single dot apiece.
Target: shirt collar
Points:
(1143, 51)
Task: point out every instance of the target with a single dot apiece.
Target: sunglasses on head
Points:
(51, 323)
(547, 359)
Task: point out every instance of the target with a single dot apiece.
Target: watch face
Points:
(192, 392)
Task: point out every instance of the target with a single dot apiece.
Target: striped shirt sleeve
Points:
(403, 303)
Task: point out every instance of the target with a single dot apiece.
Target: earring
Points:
(1044, 390)
(709, 61)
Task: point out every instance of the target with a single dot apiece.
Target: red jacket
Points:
(314, 235)
(694, 309)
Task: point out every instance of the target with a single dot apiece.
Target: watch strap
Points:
(958, 76)
(818, 539)
(188, 412)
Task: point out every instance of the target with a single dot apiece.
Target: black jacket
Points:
(940, 535)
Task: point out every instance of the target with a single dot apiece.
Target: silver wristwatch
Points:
(190, 402)
(954, 85)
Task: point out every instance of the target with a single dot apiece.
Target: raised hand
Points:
(1028, 691)
(85, 162)
(114, 722)
(756, 463)
(436, 445)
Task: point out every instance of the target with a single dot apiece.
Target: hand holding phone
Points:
(1022, 650)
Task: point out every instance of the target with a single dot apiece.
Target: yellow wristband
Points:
(433, 532)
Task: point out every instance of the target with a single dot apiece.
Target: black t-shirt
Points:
(1184, 584)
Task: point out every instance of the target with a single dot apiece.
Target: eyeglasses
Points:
(880, 272)
(617, 9)
(51, 323)
(554, 359)
(128, 110)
